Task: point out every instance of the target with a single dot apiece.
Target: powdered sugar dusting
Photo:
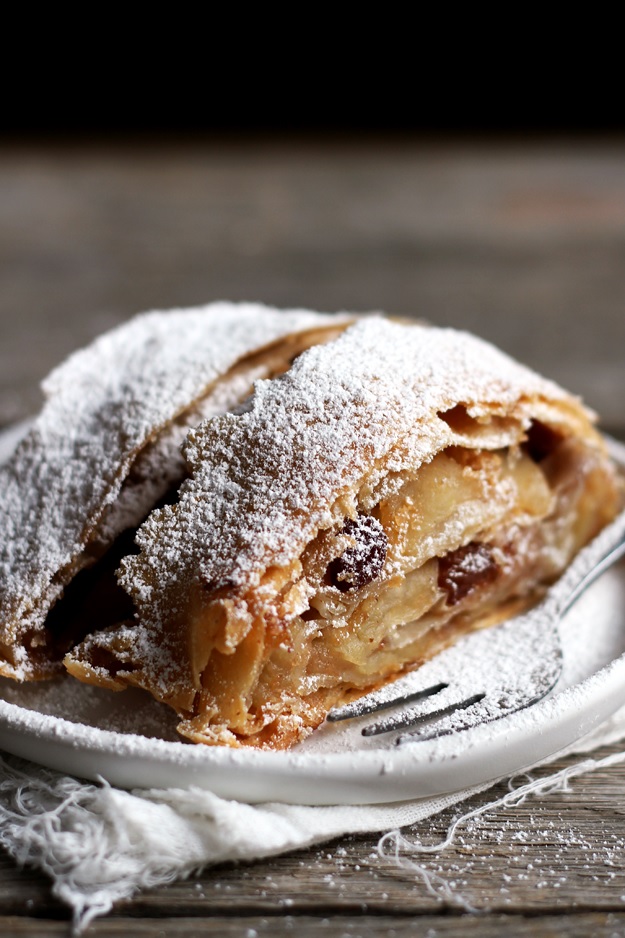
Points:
(593, 642)
(513, 665)
(266, 479)
(593, 639)
(161, 465)
(104, 404)
(331, 766)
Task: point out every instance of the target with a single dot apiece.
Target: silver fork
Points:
(492, 673)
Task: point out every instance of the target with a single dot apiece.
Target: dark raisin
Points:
(362, 563)
(463, 570)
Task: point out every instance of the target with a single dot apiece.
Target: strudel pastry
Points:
(106, 448)
(393, 488)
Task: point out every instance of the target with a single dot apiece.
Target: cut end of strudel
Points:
(393, 488)
(106, 449)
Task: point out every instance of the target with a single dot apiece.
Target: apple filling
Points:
(466, 540)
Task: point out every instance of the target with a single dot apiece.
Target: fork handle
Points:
(597, 557)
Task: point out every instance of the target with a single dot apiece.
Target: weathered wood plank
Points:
(25, 891)
(599, 925)
(565, 851)
(562, 853)
(523, 245)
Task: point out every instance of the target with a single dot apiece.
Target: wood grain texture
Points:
(524, 245)
(557, 863)
(593, 925)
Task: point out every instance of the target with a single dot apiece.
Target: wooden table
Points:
(521, 243)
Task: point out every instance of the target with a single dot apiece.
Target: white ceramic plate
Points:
(130, 740)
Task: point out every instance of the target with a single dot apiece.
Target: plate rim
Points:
(415, 770)
(296, 776)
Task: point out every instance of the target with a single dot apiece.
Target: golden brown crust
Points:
(105, 449)
(288, 576)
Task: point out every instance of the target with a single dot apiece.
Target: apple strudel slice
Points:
(106, 448)
(396, 487)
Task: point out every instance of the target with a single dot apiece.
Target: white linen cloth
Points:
(99, 844)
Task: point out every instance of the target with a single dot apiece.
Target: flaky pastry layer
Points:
(395, 487)
(106, 448)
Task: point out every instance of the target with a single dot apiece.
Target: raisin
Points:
(362, 563)
(463, 570)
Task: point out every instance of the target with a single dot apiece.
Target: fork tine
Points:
(471, 712)
(523, 657)
(407, 719)
(371, 704)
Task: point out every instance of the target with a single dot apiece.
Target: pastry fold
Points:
(106, 448)
(395, 487)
